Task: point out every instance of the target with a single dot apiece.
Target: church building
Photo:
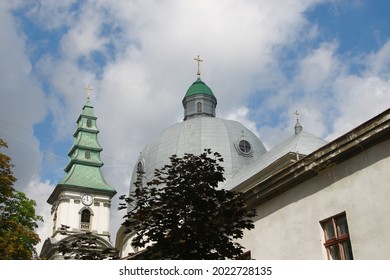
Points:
(314, 200)
(81, 201)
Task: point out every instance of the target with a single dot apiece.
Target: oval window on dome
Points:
(244, 148)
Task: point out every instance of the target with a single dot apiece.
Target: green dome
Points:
(199, 87)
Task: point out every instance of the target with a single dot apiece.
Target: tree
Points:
(84, 246)
(17, 216)
(7, 179)
(182, 214)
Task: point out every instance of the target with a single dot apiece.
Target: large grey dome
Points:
(238, 146)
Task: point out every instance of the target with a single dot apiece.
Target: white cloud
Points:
(22, 101)
(52, 14)
(318, 69)
(40, 192)
(378, 63)
(359, 99)
(83, 37)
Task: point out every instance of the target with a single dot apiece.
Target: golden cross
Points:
(88, 89)
(199, 61)
(296, 114)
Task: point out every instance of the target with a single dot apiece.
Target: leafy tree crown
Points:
(183, 213)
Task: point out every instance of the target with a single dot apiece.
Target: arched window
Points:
(140, 167)
(87, 154)
(85, 219)
(140, 173)
(89, 123)
(199, 107)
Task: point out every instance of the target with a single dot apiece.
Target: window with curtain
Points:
(337, 239)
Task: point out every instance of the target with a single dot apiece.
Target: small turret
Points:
(199, 99)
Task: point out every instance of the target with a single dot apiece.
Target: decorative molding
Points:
(64, 199)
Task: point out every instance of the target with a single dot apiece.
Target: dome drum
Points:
(198, 105)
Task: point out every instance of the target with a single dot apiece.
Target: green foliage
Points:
(7, 179)
(182, 214)
(84, 246)
(18, 219)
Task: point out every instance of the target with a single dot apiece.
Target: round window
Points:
(245, 147)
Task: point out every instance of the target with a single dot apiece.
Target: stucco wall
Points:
(69, 209)
(287, 227)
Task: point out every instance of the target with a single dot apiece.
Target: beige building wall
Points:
(287, 226)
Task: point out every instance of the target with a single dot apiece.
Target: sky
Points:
(264, 60)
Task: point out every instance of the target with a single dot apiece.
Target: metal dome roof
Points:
(238, 146)
(301, 144)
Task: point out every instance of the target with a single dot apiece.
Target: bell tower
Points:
(82, 199)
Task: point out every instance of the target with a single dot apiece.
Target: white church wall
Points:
(288, 226)
(70, 203)
(102, 208)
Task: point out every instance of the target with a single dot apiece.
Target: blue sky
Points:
(330, 60)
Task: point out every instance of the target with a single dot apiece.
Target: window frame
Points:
(338, 237)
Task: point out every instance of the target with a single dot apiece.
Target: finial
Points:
(88, 89)
(297, 115)
(298, 126)
(199, 61)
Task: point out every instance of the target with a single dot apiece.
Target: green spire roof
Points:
(83, 169)
(199, 87)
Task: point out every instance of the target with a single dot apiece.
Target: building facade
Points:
(330, 204)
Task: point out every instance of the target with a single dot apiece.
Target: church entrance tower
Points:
(82, 200)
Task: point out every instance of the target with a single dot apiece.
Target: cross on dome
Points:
(199, 61)
(88, 89)
(297, 115)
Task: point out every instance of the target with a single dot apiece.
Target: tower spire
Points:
(82, 199)
(298, 126)
(198, 60)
